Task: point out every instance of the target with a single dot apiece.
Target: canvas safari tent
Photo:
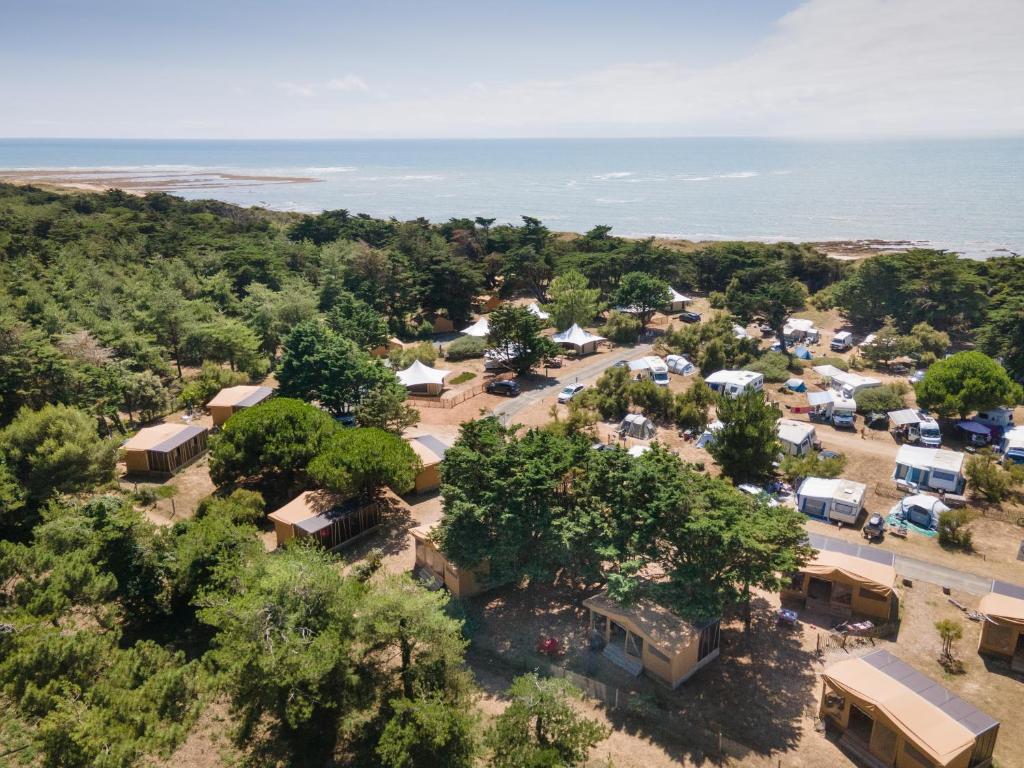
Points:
(891, 714)
(430, 450)
(637, 425)
(164, 449)
(845, 580)
(1002, 632)
(433, 567)
(327, 519)
(231, 399)
(647, 637)
(677, 302)
(420, 378)
(583, 342)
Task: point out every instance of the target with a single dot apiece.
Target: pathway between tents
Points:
(586, 375)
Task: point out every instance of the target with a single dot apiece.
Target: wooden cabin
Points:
(431, 562)
(890, 714)
(1002, 632)
(431, 451)
(233, 399)
(329, 520)
(847, 580)
(647, 637)
(164, 449)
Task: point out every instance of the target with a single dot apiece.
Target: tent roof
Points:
(794, 382)
(534, 309)
(924, 501)
(740, 332)
(794, 431)
(418, 373)
(304, 506)
(866, 572)
(1004, 604)
(904, 416)
(845, 377)
(240, 397)
(837, 488)
(430, 449)
(162, 438)
(480, 328)
(576, 336)
(929, 458)
(732, 377)
(636, 418)
(638, 450)
(677, 296)
(942, 725)
(668, 632)
(800, 324)
(819, 398)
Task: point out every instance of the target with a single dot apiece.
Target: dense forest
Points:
(116, 309)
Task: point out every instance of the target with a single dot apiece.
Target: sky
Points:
(533, 68)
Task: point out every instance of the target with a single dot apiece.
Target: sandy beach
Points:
(143, 181)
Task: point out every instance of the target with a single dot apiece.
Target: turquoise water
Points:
(964, 195)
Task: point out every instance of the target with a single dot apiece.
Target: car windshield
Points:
(929, 431)
(568, 390)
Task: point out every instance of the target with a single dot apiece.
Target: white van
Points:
(842, 341)
(651, 367)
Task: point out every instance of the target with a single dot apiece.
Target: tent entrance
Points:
(1017, 662)
(860, 724)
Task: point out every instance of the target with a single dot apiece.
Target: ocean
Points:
(962, 195)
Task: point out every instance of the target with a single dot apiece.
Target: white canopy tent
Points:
(423, 377)
(481, 328)
(534, 309)
(583, 341)
(677, 301)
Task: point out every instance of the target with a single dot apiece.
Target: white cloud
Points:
(831, 67)
(308, 90)
(347, 83)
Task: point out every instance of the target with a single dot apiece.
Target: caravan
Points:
(735, 383)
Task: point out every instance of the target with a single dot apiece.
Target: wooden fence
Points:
(451, 399)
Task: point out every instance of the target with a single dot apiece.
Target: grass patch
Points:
(463, 377)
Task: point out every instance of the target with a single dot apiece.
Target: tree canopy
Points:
(964, 383)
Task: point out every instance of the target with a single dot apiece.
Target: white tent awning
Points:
(419, 374)
(534, 309)
(480, 328)
(576, 336)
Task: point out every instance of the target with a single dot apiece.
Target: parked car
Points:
(874, 528)
(620, 364)
(828, 455)
(505, 387)
(346, 419)
(916, 377)
(690, 317)
(569, 392)
(553, 362)
(877, 420)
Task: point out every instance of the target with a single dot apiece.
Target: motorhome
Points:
(929, 434)
(998, 420)
(842, 341)
(651, 367)
(846, 383)
(735, 383)
(844, 412)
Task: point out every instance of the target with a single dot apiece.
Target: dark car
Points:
(874, 528)
(690, 317)
(504, 387)
(346, 419)
(877, 420)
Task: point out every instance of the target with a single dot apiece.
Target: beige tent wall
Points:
(999, 639)
(284, 532)
(461, 582)
(861, 601)
(428, 479)
(221, 413)
(136, 461)
(888, 741)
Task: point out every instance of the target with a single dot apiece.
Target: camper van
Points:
(842, 341)
(844, 413)
(928, 431)
(998, 420)
(651, 367)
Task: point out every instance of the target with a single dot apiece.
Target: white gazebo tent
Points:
(480, 328)
(677, 301)
(422, 378)
(535, 310)
(582, 341)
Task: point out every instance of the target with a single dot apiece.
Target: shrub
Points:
(837, 362)
(888, 397)
(953, 530)
(403, 358)
(773, 365)
(987, 477)
(462, 378)
(465, 347)
(621, 328)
